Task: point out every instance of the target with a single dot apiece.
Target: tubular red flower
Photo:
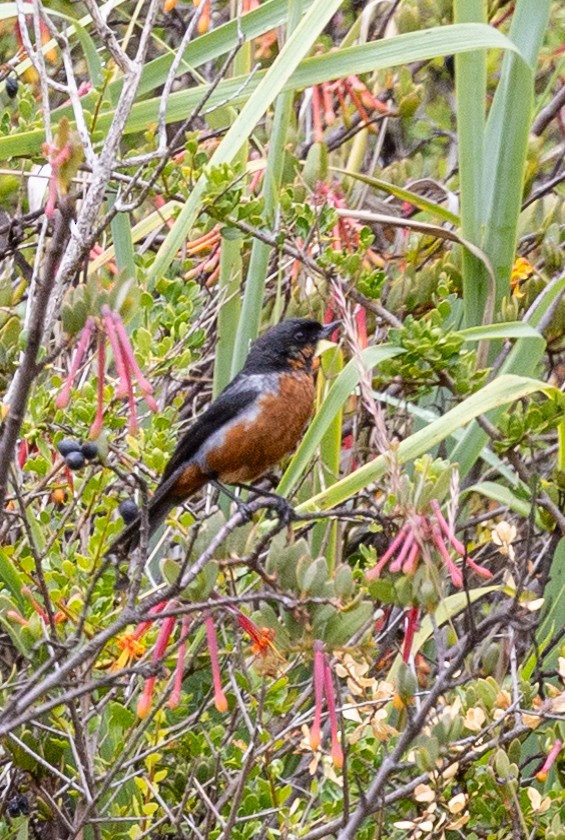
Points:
(262, 636)
(124, 385)
(220, 700)
(63, 397)
(480, 570)
(329, 113)
(444, 525)
(411, 563)
(98, 424)
(361, 322)
(174, 699)
(29, 596)
(167, 627)
(337, 752)
(543, 772)
(319, 679)
(154, 611)
(409, 539)
(163, 637)
(376, 570)
(454, 572)
(412, 617)
(129, 355)
(146, 699)
(317, 114)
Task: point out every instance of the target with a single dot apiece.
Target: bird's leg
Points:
(241, 506)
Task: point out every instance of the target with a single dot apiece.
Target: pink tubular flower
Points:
(98, 425)
(319, 679)
(317, 114)
(397, 541)
(543, 772)
(434, 530)
(127, 368)
(446, 529)
(153, 612)
(64, 394)
(129, 357)
(146, 700)
(412, 616)
(454, 572)
(165, 633)
(405, 550)
(174, 699)
(323, 685)
(124, 385)
(220, 700)
(337, 752)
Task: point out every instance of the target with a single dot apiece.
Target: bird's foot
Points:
(279, 504)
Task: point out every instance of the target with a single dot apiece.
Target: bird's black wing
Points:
(233, 400)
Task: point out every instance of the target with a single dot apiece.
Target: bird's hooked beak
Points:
(330, 328)
(325, 333)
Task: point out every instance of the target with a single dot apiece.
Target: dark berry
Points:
(128, 510)
(18, 806)
(68, 445)
(90, 450)
(75, 460)
(12, 86)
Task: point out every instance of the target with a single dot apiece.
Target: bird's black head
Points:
(288, 345)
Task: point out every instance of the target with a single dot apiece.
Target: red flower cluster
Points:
(407, 547)
(131, 647)
(111, 326)
(323, 685)
(349, 88)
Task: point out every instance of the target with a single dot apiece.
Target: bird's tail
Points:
(171, 491)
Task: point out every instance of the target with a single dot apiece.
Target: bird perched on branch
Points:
(255, 421)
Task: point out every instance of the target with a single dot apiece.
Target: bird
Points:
(254, 422)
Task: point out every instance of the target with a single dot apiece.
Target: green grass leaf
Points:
(500, 392)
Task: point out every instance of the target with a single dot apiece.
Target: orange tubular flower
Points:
(262, 636)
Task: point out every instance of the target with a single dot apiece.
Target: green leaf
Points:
(402, 194)
(553, 611)
(341, 627)
(498, 393)
(509, 329)
(505, 496)
(10, 577)
(270, 85)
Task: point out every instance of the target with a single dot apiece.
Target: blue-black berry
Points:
(18, 806)
(12, 86)
(75, 460)
(128, 510)
(68, 445)
(90, 450)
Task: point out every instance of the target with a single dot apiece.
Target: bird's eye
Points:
(300, 336)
